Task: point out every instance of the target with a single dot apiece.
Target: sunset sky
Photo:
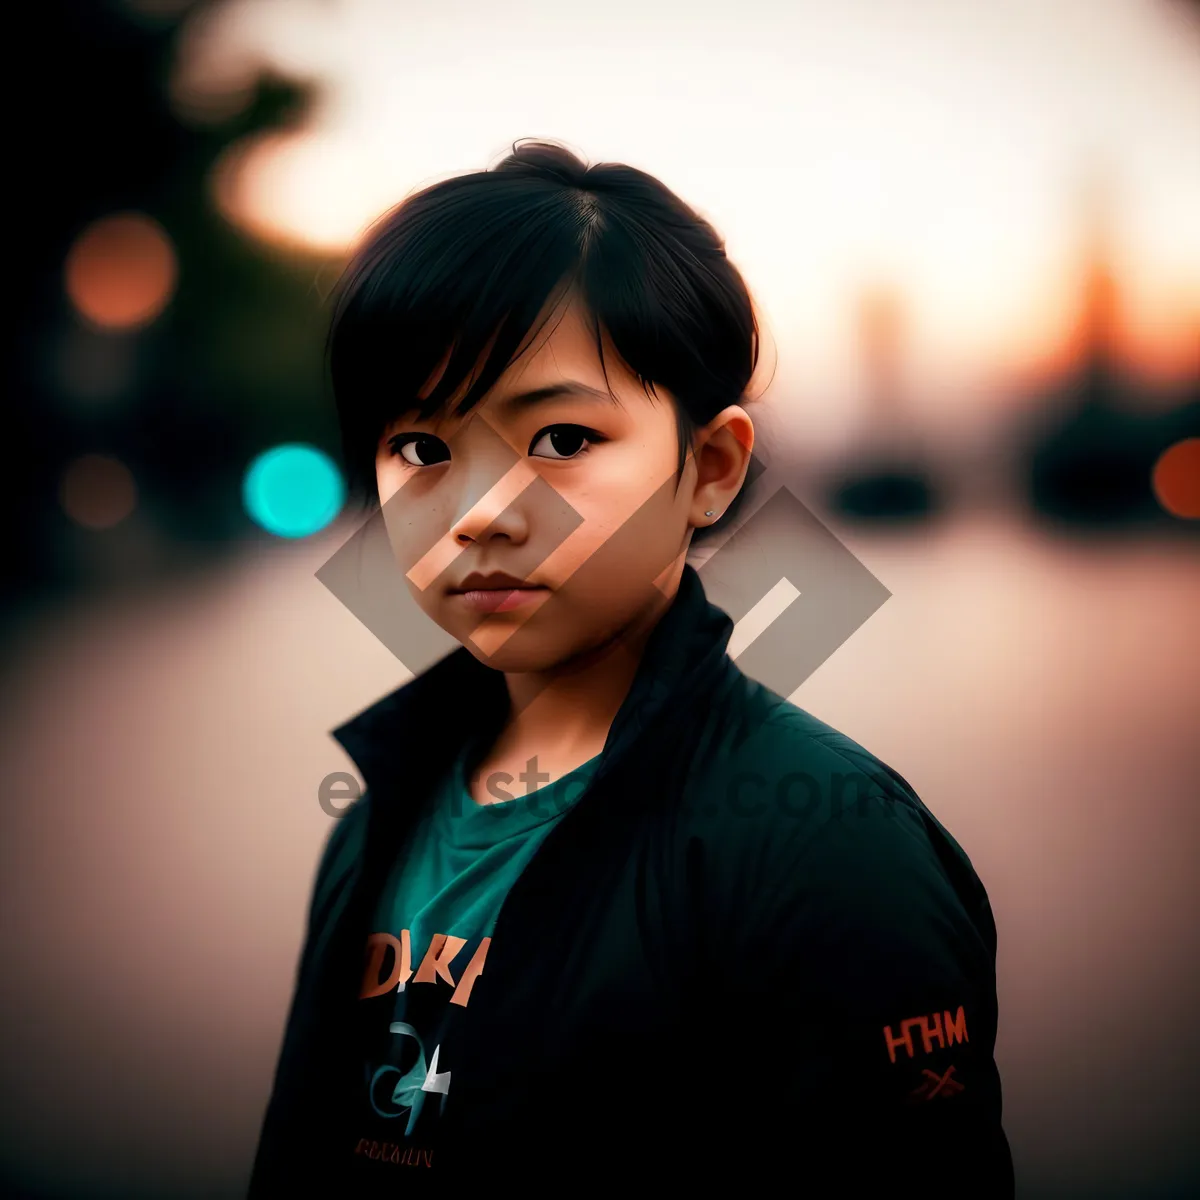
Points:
(939, 149)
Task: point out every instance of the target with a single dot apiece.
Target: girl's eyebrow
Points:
(521, 401)
(524, 400)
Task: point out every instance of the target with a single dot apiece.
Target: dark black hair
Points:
(478, 256)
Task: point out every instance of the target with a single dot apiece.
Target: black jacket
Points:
(747, 953)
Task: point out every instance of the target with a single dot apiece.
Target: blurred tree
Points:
(232, 365)
(1092, 457)
(886, 478)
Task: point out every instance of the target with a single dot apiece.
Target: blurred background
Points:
(974, 234)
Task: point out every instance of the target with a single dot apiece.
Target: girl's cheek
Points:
(387, 479)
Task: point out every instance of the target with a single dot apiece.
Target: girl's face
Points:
(549, 481)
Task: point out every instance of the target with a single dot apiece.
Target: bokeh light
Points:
(97, 491)
(1177, 479)
(293, 490)
(121, 271)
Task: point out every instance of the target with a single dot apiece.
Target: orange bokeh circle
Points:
(1177, 478)
(121, 271)
(97, 491)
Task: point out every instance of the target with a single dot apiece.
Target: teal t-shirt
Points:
(432, 931)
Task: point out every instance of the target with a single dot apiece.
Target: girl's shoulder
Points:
(781, 797)
(754, 739)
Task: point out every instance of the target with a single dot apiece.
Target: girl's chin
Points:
(514, 664)
(519, 652)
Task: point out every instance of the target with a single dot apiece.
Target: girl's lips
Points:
(498, 599)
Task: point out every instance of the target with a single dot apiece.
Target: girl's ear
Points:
(722, 454)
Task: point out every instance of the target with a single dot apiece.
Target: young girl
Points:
(608, 910)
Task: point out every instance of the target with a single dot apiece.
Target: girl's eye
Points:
(559, 442)
(406, 445)
(564, 441)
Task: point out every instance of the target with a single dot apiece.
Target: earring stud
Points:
(710, 512)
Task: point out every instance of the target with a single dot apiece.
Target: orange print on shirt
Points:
(443, 949)
(943, 1028)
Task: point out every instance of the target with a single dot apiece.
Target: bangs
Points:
(462, 272)
(437, 288)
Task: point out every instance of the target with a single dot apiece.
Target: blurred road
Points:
(162, 758)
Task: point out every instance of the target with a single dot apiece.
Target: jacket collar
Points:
(414, 731)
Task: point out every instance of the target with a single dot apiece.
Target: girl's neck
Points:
(572, 707)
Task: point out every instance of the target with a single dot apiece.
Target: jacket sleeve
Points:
(291, 1118)
(879, 993)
